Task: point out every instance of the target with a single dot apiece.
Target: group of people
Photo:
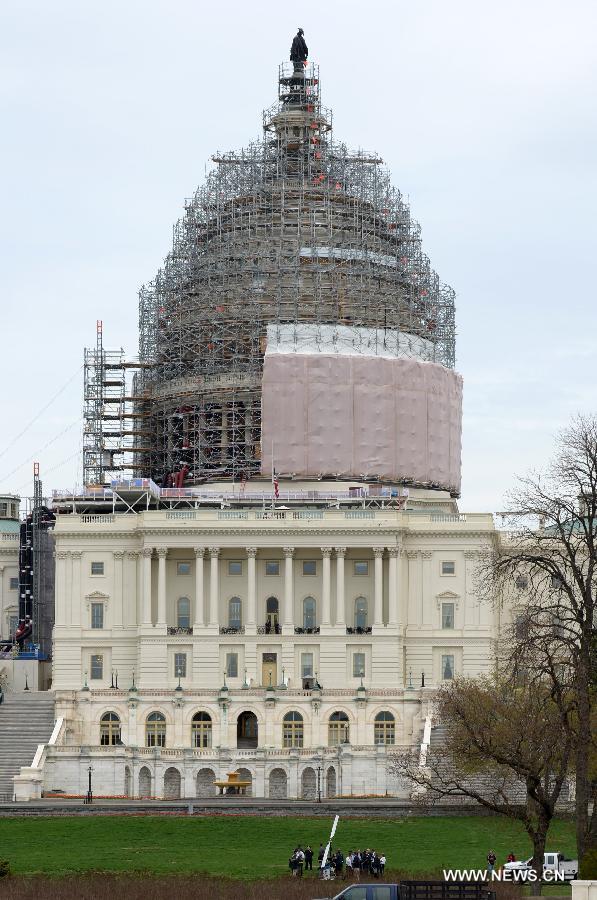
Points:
(337, 865)
(492, 859)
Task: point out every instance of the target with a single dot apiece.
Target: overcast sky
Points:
(484, 113)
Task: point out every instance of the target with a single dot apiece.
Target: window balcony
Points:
(232, 629)
(179, 629)
(358, 629)
(269, 628)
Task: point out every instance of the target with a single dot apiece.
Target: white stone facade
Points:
(325, 621)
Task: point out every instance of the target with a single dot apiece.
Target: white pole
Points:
(327, 849)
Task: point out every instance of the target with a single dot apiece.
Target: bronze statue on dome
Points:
(299, 50)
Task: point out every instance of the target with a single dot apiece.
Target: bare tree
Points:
(506, 748)
(549, 559)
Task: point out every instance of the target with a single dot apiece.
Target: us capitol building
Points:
(267, 571)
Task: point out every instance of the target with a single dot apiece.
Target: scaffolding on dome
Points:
(294, 239)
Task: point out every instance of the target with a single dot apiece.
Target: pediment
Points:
(447, 597)
(97, 595)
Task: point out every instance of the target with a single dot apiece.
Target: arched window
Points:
(309, 613)
(272, 609)
(183, 612)
(201, 729)
(360, 612)
(155, 730)
(235, 612)
(109, 729)
(338, 729)
(292, 730)
(385, 728)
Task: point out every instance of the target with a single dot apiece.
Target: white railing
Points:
(98, 519)
(9, 536)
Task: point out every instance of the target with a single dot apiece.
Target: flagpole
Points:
(273, 474)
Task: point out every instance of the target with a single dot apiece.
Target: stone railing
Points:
(177, 629)
(232, 630)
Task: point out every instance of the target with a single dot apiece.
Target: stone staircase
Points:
(26, 720)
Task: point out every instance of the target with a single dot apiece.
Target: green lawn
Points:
(252, 846)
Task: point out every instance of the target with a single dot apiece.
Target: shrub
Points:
(588, 866)
(4, 868)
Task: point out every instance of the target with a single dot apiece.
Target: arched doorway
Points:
(272, 615)
(205, 783)
(330, 782)
(309, 784)
(172, 784)
(127, 781)
(144, 783)
(278, 784)
(247, 731)
(245, 775)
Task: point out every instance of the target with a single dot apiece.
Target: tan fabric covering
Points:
(362, 416)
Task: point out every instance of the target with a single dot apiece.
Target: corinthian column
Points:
(251, 624)
(378, 589)
(147, 551)
(326, 617)
(394, 553)
(340, 599)
(288, 623)
(162, 554)
(214, 587)
(199, 602)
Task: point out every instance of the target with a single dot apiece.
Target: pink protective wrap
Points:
(362, 417)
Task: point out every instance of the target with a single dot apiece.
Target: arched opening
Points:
(247, 731)
(127, 781)
(360, 613)
(292, 730)
(385, 728)
(309, 784)
(272, 615)
(144, 783)
(278, 784)
(205, 783)
(338, 729)
(110, 729)
(183, 612)
(172, 784)
(245, 775)
(155, 730)
(201, 730)
(309, 614)
(235, 609)
(330, 782)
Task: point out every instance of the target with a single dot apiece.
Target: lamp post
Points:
(319, 771)
(89, 796)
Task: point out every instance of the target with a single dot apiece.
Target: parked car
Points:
(552, 862)
(418, 890)
(369, 892)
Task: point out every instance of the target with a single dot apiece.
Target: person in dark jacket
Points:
(308, 858)
(299, 50)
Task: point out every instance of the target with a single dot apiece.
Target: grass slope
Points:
(254, 847)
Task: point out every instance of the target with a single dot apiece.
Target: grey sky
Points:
(483, 112)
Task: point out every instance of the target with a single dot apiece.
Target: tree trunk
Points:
(539, 837)
(583, 745)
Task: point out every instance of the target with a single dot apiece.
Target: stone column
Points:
(199, 600)
(117, 616)
(474, 613)
(146, 587)
(214, 587)
(131, 617)
(340, 598)
(61, 588)
(288, 623)
(326, 617)
(162, 554)
(251, 622)
(75, 608)
(393, 586)
(427, 606)
(378, 588)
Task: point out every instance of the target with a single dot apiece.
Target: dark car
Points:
(369, 892)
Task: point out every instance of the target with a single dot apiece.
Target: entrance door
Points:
(272, 616)
(269, 670)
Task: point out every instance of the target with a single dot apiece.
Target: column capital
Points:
(288, 552)
(76, 554)
(63, 554)
(426, 554)
(472, 554)
(340, 551)
(378, 552)
(162, 552)
(199, 552)
(394, 552)
(251, 552)
(326, 552)
(147, 552)
(132, 554)
(412, 554)
(214, 552)
(119, 554)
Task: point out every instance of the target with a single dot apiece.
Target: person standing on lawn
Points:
(491, 858)
(382, 864)
(320, 854)
(308, 858)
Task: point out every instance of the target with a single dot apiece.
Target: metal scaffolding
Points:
(294, 234)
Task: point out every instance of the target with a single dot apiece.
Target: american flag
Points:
(276, 484)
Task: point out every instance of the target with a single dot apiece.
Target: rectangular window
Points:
(96, 667)
(97, 615)
(447, 667)
(180, 665)
(361, 567)
(3, 510)
(232, 665)
(14, 584)
(183, 612)
(13, 624)
(235, 567)
(235, 613)
(309, 567)
(448, 567)
(97, 568)
(183, 568)
(272, 567)
(447, 615)
(358, 664)
(306, 665)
